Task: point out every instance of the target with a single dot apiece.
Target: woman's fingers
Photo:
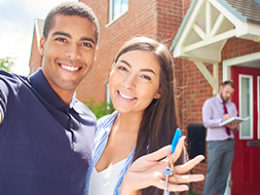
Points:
(149, 161)
(158, 154)
(181, 179)
(184, 168)
(178, 150)
(171, 186)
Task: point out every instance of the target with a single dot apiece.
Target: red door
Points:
(245, 173)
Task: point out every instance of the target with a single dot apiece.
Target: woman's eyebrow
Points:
(143, 70)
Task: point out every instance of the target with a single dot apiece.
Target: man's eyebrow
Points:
(88, 39)
(69, 36)
(61, 33)
(143, 70)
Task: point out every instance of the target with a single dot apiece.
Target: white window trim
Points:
(111, 21)
(108, 100)
(251, 106)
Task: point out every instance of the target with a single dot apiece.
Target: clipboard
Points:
(233, 119)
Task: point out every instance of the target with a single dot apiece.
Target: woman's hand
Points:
(148, 171)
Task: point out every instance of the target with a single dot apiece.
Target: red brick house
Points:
(211, 41)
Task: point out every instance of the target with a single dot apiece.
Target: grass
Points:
(191, 193)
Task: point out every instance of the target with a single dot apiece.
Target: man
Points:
(220, 139)
(46, 134)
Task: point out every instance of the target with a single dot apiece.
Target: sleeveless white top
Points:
(104, 182)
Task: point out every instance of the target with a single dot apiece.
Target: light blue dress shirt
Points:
(212, 114)
(104, 126)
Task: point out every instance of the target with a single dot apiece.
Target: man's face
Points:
(226, 92)
(68, 52)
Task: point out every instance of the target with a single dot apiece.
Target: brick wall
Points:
(35, 58)
(139, 20)
(158, 19)
(235, 47)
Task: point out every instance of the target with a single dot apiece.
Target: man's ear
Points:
(158, 94)
(42, 43)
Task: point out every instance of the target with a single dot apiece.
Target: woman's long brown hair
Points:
(159, 120)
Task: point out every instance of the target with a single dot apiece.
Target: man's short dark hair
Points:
(70, 9)
(225, 83)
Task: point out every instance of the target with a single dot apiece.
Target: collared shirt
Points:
(104, 126)
(212, 114)
(45, 144)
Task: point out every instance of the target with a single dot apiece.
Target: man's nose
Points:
(72, 52)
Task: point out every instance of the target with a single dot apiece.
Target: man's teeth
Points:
(70, 68)
(125, 96)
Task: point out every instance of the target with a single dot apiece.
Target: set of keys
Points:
(169, 170)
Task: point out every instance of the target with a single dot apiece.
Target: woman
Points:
(141, 90)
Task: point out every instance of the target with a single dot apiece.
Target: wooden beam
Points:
(199, 31)
(212, 79)
(208, 18)
(220, 37)
(217, 24)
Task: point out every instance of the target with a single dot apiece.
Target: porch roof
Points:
(38, 25)
(209, 23)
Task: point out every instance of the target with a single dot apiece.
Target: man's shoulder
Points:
(11, 80)
(10, 76)
(211, 99)
(82, 109)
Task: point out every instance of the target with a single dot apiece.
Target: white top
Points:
(104, 182)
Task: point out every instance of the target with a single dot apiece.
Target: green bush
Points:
(6, 63)
(101, 108)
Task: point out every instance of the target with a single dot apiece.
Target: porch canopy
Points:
(207, 26)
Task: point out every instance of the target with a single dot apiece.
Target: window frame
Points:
(113, 18)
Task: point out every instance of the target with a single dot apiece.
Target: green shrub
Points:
(101, 108)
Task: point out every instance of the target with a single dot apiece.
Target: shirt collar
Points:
(41, 85)
(219, 99)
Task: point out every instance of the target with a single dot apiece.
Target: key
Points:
(167, 172)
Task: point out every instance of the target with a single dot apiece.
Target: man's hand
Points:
(233, 126)
(226, 117)
(148, 171)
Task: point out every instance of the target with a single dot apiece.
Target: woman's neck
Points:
(128, 122)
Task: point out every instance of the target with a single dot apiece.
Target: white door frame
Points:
(250, 60)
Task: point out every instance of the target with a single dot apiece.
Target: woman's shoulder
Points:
(107, 120)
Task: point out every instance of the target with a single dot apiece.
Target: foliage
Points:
(101, 108)
(6, 63)
(191, 193)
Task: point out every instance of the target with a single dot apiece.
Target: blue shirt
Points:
(104, 126)
(45, 144)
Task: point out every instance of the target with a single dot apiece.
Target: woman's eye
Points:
(146, 77)
(122, 68)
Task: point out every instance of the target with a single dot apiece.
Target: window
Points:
(246, 106)
(108, 100)
(117, 8)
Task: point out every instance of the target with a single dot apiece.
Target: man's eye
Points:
(60, 39)
(87, 45)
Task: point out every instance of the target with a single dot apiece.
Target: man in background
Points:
(220, 138)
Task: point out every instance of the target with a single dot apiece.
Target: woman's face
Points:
(134, 81)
